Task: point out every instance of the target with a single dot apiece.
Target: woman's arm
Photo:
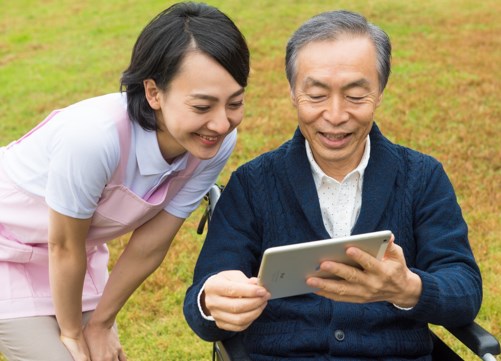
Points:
(142, 256)
(67, 267)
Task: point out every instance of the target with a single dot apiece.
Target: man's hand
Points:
(103, 343)
(387, 280)
(77, 347)
(234, 300)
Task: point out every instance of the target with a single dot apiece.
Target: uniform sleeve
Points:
(206, 174)
(83, 156)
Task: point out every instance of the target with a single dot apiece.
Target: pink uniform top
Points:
(24, 272)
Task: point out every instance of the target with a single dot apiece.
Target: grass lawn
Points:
(442, 99)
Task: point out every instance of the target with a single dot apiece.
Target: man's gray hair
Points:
(331, 26)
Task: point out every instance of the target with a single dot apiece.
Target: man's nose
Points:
(336, 112)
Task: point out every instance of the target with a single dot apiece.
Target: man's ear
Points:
(379, 99)
(152, 93)
(293, 97)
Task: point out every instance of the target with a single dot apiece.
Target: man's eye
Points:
(316, 97)
(355, 99)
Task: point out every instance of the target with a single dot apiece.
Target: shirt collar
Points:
(318, 173)
(149, 158)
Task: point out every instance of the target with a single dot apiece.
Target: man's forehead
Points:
(332, 43)
(352, 60)
(311, 81)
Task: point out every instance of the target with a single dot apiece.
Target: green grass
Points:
(442, 99)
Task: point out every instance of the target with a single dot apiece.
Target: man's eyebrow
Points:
(312, 82)
(360, 83)
(213, 98)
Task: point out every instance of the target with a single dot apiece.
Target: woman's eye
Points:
(201, 108)
(236, 105)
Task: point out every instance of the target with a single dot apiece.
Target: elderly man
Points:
(337, 176)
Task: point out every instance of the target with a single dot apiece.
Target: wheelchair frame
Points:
(475, 337)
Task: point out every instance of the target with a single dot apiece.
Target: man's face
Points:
(336, 95)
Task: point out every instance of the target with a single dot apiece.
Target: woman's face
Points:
(201, 106)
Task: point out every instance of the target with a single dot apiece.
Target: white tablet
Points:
(284, 269)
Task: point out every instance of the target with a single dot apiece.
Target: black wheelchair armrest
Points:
(231, 349)
(477, 339)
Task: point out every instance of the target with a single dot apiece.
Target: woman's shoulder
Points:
(88, 127)
(94, 115)
(101, 102)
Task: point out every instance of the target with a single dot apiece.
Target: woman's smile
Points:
(208, 139)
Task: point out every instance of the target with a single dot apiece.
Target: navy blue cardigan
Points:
(272, 200)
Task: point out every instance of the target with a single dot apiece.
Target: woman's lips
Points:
(208, 139)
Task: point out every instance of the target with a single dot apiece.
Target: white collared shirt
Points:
(340, 202)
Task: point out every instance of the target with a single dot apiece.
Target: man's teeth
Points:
(335, 137)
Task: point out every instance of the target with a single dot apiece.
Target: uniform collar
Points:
(149, 158)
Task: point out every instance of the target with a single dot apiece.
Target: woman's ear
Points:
(152, 93)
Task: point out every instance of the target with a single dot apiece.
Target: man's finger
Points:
(234, 289)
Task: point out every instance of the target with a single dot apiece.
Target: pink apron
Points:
(24, 278)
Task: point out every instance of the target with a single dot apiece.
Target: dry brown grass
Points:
(442, 99)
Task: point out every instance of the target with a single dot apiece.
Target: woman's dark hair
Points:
(163, 43)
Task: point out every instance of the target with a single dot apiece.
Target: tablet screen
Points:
(284, 270)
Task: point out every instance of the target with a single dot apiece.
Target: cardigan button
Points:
(339, 335)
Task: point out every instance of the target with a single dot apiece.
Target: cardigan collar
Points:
(379, 182)
(379, 179)
(301, 183)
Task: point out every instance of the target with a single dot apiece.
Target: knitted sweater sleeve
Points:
(452, 286)
(231, 244)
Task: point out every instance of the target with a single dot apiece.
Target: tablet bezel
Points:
(284, 269)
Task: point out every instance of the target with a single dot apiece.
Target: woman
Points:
(139, 160)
